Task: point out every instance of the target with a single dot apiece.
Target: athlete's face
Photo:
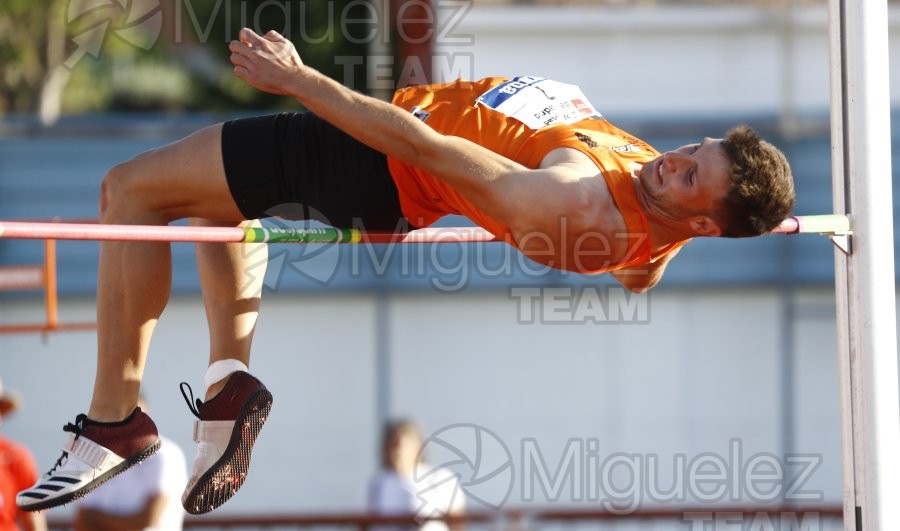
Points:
(690, 181)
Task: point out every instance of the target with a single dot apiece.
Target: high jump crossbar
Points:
(825, 224)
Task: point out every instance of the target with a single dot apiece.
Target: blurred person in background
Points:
(143, 498)
(407, 485)
(17, 471)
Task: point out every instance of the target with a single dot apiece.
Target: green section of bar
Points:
(286, 235)
(826, 223)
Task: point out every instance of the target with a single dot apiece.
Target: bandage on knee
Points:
(221, 369)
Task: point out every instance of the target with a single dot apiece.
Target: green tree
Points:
(112, 55)
(322, 31)
(33, 46)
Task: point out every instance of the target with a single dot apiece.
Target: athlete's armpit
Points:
(643, 277)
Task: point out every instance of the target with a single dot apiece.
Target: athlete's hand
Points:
(269, 63)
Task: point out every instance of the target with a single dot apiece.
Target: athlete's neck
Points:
(664, 230)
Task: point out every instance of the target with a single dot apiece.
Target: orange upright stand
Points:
(33, 278)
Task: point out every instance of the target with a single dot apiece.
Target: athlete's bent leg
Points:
(231, 278)
(184, 179)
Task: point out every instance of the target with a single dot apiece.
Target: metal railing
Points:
(38, 277)
(518, 519)
(652, 3)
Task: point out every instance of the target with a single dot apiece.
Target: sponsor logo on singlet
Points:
(587, 140)
(420, 113)
(627, 148)
(539, 102)
(591, 143)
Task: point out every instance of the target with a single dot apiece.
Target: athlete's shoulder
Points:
(459, 91)
(460, 83)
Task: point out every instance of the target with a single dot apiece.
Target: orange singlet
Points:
(523, 119)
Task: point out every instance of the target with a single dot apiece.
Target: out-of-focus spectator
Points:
(17, 471)
(407, 485)
(145, 497)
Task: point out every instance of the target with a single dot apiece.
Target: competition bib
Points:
(539, 102)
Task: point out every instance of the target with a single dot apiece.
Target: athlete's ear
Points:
(704, 226)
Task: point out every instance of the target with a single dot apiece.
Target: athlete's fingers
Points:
(239, 47)
(241, 72)
(239, 60)
(249, 37)
(245, 55)
(274, 36)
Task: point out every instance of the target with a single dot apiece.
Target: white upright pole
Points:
(870, 401)
(842, 305)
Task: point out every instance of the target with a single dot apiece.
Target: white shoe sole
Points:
(223, 478)
(87, 466)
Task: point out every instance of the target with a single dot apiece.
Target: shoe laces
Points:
(195, 409)
(75, 428)
(78, 427)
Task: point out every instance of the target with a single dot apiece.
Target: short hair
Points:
(392, 430)
(762, 187)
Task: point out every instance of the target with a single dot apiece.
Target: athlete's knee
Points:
(126, 187)
(113, 188)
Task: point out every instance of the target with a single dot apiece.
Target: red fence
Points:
(807, 517)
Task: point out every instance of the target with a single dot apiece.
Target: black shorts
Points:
(298, 166)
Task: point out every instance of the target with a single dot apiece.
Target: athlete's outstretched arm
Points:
(502, 188)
